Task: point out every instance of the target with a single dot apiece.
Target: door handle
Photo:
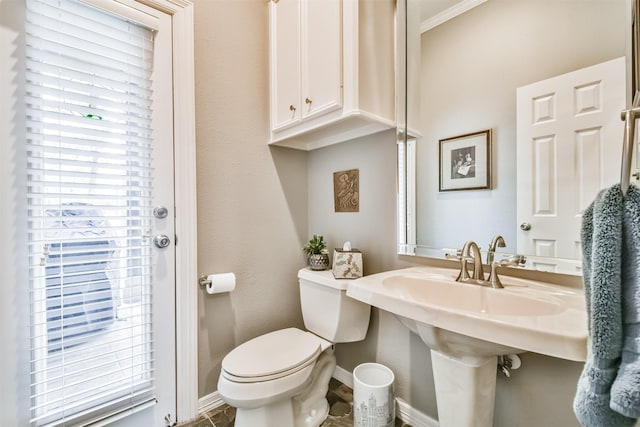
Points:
(161, 241)
(160, 212)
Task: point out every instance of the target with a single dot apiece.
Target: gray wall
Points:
(252, 199)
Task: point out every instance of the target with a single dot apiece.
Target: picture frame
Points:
(346, 191)
(465, 162)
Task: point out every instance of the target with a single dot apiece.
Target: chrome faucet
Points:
(496, 242)
(470, 252)
(476, 257)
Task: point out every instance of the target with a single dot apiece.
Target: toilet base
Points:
(276, 414)
(307, 409)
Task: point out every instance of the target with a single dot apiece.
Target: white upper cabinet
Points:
(332, 70)
(285, 63)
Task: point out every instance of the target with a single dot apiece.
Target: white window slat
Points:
(68, 198)
(66, 129)
(40, 151)
(83, 373)
(78, 29)
(95, 18)
(102, 92)
(50, 39)
(50, 79)
(34, 166)
(68, 109)
(109, 340)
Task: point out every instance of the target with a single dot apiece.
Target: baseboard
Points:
(209, 402)
(405, 412)
(344, 376)
(412, 416)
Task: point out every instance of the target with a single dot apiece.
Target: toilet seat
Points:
(280, 353)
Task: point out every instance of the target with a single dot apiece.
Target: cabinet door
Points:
(321, 57)
(285, 63)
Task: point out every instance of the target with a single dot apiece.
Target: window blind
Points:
(406, 155)
(402, 194)
(89, 171)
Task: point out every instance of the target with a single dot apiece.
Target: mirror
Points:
(464, 64)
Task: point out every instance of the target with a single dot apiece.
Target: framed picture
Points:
(346, 191)
(465, 162)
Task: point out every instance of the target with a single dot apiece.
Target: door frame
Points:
(181, 12)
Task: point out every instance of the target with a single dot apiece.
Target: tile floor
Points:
(340, 399)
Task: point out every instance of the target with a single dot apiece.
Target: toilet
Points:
(281, 378)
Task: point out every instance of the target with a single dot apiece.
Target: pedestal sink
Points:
(467, 326)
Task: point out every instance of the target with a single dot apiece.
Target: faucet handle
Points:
(464, 272)
(514, 260)
(457, 256)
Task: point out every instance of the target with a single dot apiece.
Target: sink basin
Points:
(524, 316)
(471, 298)
(467, 326)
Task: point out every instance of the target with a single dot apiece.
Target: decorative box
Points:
(347, 264)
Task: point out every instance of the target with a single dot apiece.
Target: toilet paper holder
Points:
(203, 280)
(217, 283)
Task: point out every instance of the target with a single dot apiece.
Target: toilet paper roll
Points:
(224, 282)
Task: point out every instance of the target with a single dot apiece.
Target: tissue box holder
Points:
(347, 264)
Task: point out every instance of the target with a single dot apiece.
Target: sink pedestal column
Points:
(465, 389)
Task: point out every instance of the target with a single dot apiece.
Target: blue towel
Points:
(625, 391)
(602, 235)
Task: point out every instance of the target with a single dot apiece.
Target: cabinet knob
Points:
(307, 100)
(292, 108)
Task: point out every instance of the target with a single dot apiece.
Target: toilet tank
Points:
(328, 311)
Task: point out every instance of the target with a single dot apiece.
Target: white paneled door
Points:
(569, 140)
(101, 221)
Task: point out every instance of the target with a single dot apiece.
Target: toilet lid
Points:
(272, 355)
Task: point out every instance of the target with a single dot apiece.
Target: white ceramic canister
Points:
(373, 400)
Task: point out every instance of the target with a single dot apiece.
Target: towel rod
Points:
(629, 116)
(627, 148)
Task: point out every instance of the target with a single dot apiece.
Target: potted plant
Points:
(316, 250)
